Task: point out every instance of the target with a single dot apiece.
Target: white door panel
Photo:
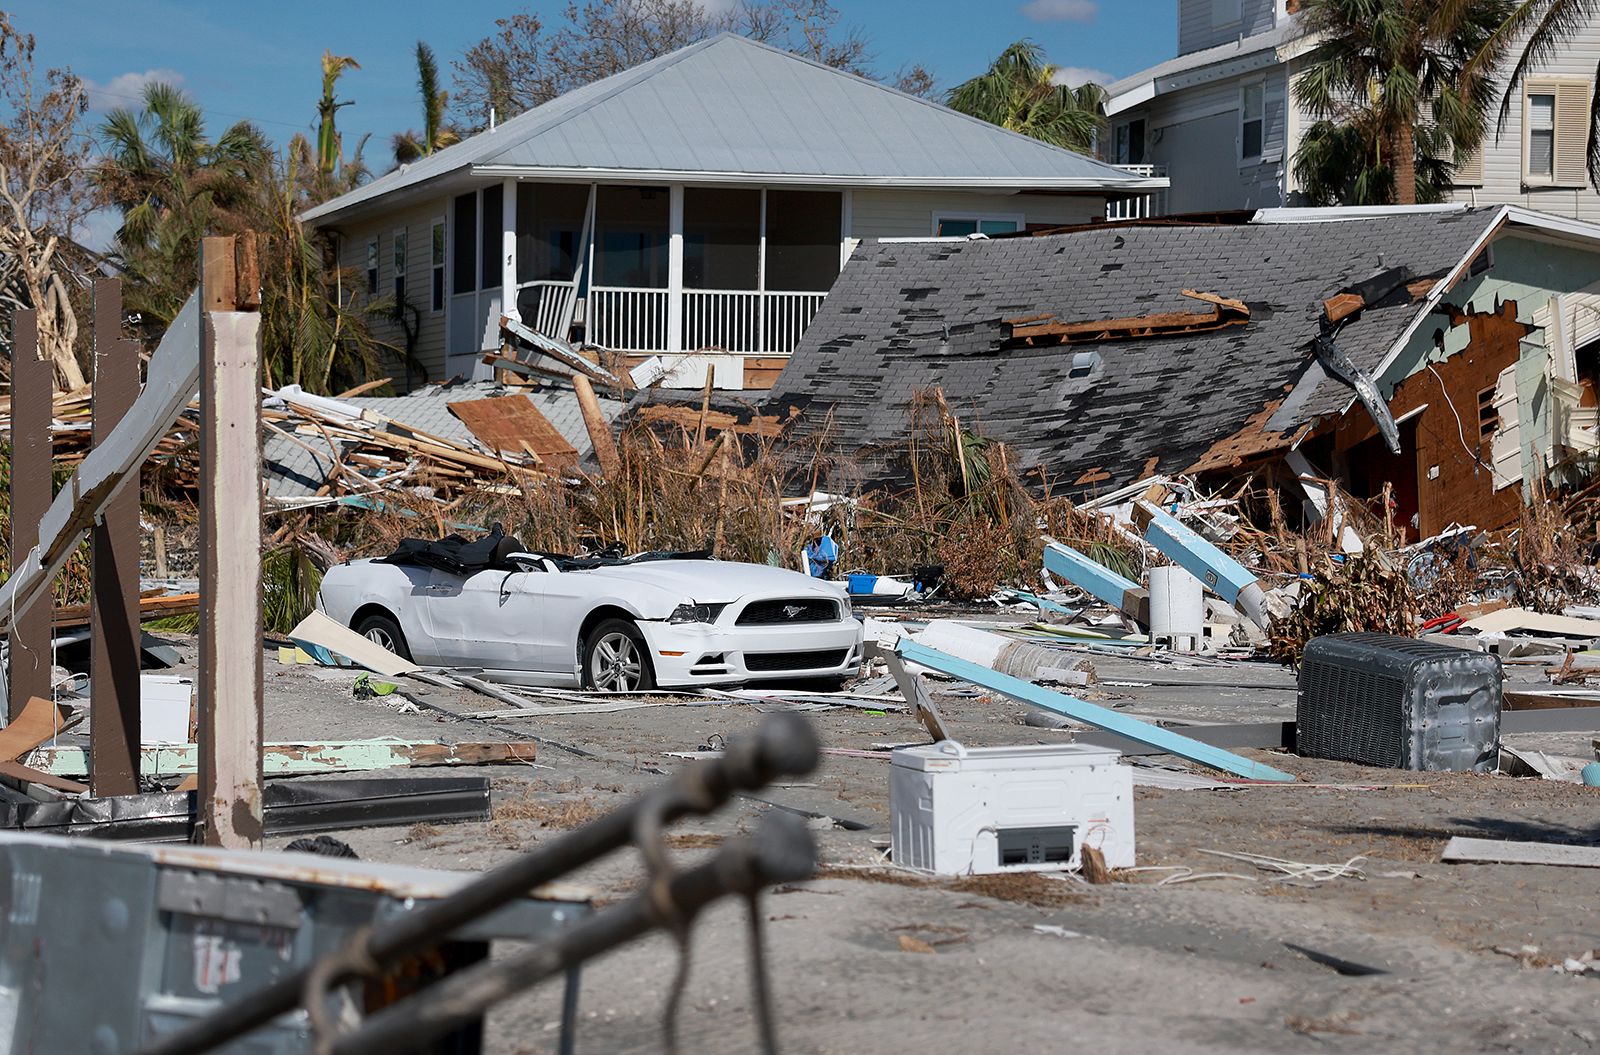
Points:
(487, 619)
(568, 599)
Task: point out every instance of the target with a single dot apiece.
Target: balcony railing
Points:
(546, 305)
(626, 319)
(1143, 206)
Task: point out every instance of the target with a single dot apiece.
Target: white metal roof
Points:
(1202, 67)
(730, 109)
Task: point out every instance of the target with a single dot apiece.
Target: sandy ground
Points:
(1127, 967)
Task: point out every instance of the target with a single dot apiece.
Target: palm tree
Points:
(173, 186)
(436, 134)
(1389, 77)
(330, 146)
(1548, 25)
(1019, 92)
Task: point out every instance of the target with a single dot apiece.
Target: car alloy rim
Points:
(616, 663)
(380, 637)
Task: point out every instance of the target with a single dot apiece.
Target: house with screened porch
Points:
(697, 207)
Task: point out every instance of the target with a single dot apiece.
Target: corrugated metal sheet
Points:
(729, 105)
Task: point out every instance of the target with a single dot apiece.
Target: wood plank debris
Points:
(1035, 330)
(317, 631)
(512, 424)
(1464, 849)
(39, 720)
(299, 758)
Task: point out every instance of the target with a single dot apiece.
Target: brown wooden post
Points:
(32, 404)
(114, 601)
(230, 725)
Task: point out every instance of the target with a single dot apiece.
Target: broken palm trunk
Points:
(1221, 574)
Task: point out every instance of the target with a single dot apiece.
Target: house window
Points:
(372, 267)
(1555, 136)
(492, 245)
(960, 225)
(436, 263)
(1226, 12)
(1252, 121)
(464, 252)
(1488, 416)
(1129, 146)
(399, 270)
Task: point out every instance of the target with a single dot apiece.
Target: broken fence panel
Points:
(299, 758)
(1083, 711)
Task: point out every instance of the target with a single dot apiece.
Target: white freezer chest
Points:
(959, 810)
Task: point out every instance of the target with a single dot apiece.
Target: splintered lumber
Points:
(291, 758)
(559, 350)
(605, 445)
(157, 607)
(513, 424)
(715, 420)
(39, 721)
(1342, 305)
(1504, 851)
(1046, 330)
(172, 379)
(1089, 713)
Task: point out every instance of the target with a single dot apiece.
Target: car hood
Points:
(714, 581)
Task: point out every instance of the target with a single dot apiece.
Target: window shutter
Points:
(1272, 129)
(1470, 172)
(1572, 133)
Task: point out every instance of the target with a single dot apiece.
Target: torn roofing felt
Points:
(905, 316)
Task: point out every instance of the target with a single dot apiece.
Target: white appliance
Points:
(960, 810)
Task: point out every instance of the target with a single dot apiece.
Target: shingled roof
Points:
(905, 316)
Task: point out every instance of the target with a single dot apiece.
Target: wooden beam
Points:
(114, 589)
(605, 445)
(230, 729)
(1343, 305)
(32, 381)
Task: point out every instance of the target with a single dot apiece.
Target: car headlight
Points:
(696, 613)
(845, 603)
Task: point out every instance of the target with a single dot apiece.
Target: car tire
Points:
(616, 659)
(381, 629)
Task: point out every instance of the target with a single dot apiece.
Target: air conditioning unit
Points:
(969, 810)
(1381, 700)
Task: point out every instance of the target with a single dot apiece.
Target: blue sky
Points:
(262, 61)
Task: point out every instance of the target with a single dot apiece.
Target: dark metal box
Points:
(1392, 701)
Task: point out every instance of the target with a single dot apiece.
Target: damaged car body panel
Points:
(537, 619)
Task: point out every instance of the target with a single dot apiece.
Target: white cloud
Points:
(1072, 76)
(126, 89)
(1060, 10)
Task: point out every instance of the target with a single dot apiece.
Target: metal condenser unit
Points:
(1392, 701)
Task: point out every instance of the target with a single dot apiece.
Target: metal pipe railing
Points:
(783, 745)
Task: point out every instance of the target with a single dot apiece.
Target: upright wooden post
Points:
(32, 388)
(114, 601)
(230, 725)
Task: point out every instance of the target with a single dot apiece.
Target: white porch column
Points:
(847, 205)
(508, 249)
(675, 268)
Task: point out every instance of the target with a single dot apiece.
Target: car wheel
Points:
(384, 632)
(615, 658)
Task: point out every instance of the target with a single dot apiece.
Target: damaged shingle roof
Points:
(905, 316)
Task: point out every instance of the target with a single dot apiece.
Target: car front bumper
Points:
(706, 654)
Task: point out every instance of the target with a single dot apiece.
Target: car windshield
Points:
(614, 559)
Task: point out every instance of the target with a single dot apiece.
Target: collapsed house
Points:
(1448, 352)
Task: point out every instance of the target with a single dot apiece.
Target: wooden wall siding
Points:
(418, 222)
(1463, 490)
(1198, 141)
(909, 214)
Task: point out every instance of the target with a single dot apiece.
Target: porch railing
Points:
(749, 321)
(743, 321)
(1143, 206)
(546, 304)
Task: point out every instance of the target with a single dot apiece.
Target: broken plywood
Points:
(514, 425)
(1045, 330)
(1504, 851)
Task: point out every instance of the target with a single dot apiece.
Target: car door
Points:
(487, 619)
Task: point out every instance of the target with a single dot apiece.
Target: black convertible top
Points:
(463, 556)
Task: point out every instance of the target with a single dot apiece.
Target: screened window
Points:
(464, 256)
(804, 228)
(630, 245)
(493, 200)
(436, 267)
(1252, 123)
(549, 224)
(1541, 136)
(722, 238)
(1129, 145)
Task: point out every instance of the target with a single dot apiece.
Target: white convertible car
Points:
(609, 622)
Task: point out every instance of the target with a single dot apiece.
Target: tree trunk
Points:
(1405, 165)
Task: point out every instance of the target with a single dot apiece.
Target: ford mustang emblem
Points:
(792, 610)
